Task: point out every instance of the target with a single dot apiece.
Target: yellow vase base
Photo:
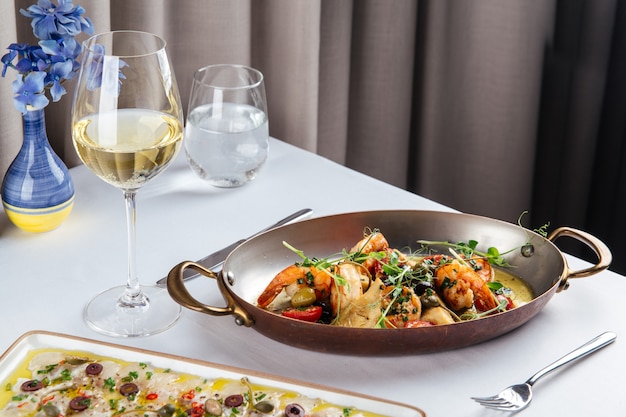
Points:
(39, 220)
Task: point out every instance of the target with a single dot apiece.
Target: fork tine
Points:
(494, 402)
(497, 403)
(491, 400)
(502, 407)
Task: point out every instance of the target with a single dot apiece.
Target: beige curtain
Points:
(439, 97)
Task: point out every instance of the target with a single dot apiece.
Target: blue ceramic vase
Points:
(37, 191)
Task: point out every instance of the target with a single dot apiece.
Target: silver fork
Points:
(517, 397)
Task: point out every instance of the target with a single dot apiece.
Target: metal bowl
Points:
(251, 266)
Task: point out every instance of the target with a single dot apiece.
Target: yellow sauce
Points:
(522, 293)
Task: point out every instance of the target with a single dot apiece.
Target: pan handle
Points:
(178, 291)
(599, 248)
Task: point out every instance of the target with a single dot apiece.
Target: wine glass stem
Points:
(132, 295)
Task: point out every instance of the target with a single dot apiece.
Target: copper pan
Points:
(250, 267)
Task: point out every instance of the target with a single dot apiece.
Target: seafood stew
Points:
(251, 266)
(375, 286)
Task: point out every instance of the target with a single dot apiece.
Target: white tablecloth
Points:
(45, 280)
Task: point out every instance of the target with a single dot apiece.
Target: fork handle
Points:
(589, 347)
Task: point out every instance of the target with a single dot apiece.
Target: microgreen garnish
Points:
(543, 230)
(472, 314)
(110, 384)
(468, 249)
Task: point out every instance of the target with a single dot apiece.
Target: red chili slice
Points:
(310, 314)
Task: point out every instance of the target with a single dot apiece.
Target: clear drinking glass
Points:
(127, 126)
(227, 131)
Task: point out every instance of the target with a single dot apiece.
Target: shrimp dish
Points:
(375, 286)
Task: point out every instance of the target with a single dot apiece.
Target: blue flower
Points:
(28, 91)
(65, 48)
(51, 21)
(58, 72)
(54, 59)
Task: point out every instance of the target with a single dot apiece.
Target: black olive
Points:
(422, 286)
(80, 403)
(32, 385)
(327, 313)
(234, 400)
(129, 389)
(93, 369)
(294, 410)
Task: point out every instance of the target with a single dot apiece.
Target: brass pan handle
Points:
(599, 248)
(178, 291)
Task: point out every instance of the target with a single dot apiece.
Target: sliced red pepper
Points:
(189, 395)
(509, 302)
(417, 323)
(152, 396)
(311, 313)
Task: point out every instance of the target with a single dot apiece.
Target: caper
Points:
(527, 250)
(304, 297)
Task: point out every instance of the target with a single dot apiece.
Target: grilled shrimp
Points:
(406, 310)
(462, 287)
(482, 267)
(375, 242)
(371, 243)
(298, 276)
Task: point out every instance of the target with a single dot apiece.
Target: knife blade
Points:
(216, 259)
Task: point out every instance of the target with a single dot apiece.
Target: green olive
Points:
(429, 300)
(304, 297)
(51, 410)
(167, 410)
(264, 407)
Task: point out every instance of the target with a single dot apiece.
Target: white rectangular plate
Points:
(17, 353)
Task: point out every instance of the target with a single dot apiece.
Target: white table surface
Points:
(45, 280)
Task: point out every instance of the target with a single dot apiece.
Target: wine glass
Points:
(127, 127)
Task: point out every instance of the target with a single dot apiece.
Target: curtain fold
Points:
(490, 107)
(480, 88)
(381, 76)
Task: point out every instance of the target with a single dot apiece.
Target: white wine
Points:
(127, 147)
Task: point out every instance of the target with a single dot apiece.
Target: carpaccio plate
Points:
(19, 351)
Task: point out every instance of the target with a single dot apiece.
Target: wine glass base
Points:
(109, 314)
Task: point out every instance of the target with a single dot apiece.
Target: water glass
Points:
(227, 132)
